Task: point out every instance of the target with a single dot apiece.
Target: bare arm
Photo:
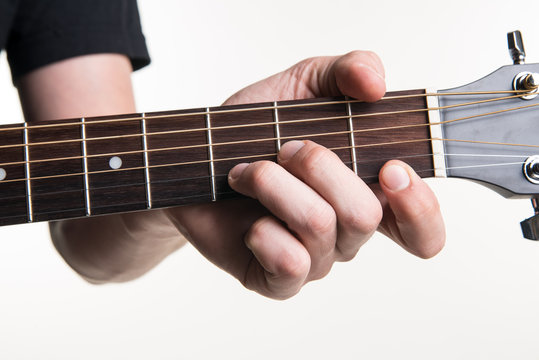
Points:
(105, 248)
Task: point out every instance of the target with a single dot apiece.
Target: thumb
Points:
(417, 217)
(358, 74)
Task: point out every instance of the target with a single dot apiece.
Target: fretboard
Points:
(93, 166)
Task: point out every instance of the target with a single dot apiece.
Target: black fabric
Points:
(35, 33)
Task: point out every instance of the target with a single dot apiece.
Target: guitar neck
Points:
(83, 167)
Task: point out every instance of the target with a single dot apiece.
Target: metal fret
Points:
(276, 126)
(210, 154)
(85, 167)
(351, 135)
(146, 162)
(27, 173)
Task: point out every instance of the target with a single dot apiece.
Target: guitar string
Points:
(271, 123)
(364, 177)
(206, 177)
(360, 163)
(148, 116)
(308, 120)
(257, 156)
(347, 147)
(254, 140)
(114, 210)
(501, 164)
(115, 207)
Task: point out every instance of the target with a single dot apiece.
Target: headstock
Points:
(494, 138)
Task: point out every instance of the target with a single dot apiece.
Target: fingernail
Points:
(290, 148)
(395, 178)
(237, 171)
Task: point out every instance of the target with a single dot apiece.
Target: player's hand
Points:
(309, 210)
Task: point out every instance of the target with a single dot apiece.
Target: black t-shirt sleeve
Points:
(46, 31)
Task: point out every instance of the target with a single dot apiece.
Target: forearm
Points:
(105, 248)
(115, 248)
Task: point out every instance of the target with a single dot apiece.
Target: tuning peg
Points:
(530, 226)
(516, 47)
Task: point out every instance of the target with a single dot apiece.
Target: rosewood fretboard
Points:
(82, 167)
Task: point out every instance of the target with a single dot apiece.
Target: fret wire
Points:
(273, 155)
(351, 137)
(146, 162)
(117, 186)
(85, 168)
(297, 136)
(223, 193)
(232, 192)
(277, 127)
(365, 161)
(439, 139)
(249, 141)
(288, 122)
(210, 155)
(224, 111)
(28, 175)
(122, 204)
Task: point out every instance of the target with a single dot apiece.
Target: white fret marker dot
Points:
(3, 174)
(115, 162)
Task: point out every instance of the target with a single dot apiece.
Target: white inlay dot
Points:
(115, 162)
(3, 174)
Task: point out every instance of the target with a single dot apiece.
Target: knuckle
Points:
(304, 67)
(363, 221)
(315, 158)
(259, 230)
(423, 209)
(260, 175)
(297, 75)
(321, 224)
(321, 220)
(292, 266)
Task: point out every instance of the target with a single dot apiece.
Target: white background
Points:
(479, 299)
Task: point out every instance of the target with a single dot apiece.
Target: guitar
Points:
(483, 131)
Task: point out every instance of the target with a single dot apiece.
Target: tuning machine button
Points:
(530, 226)
(516, 47)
